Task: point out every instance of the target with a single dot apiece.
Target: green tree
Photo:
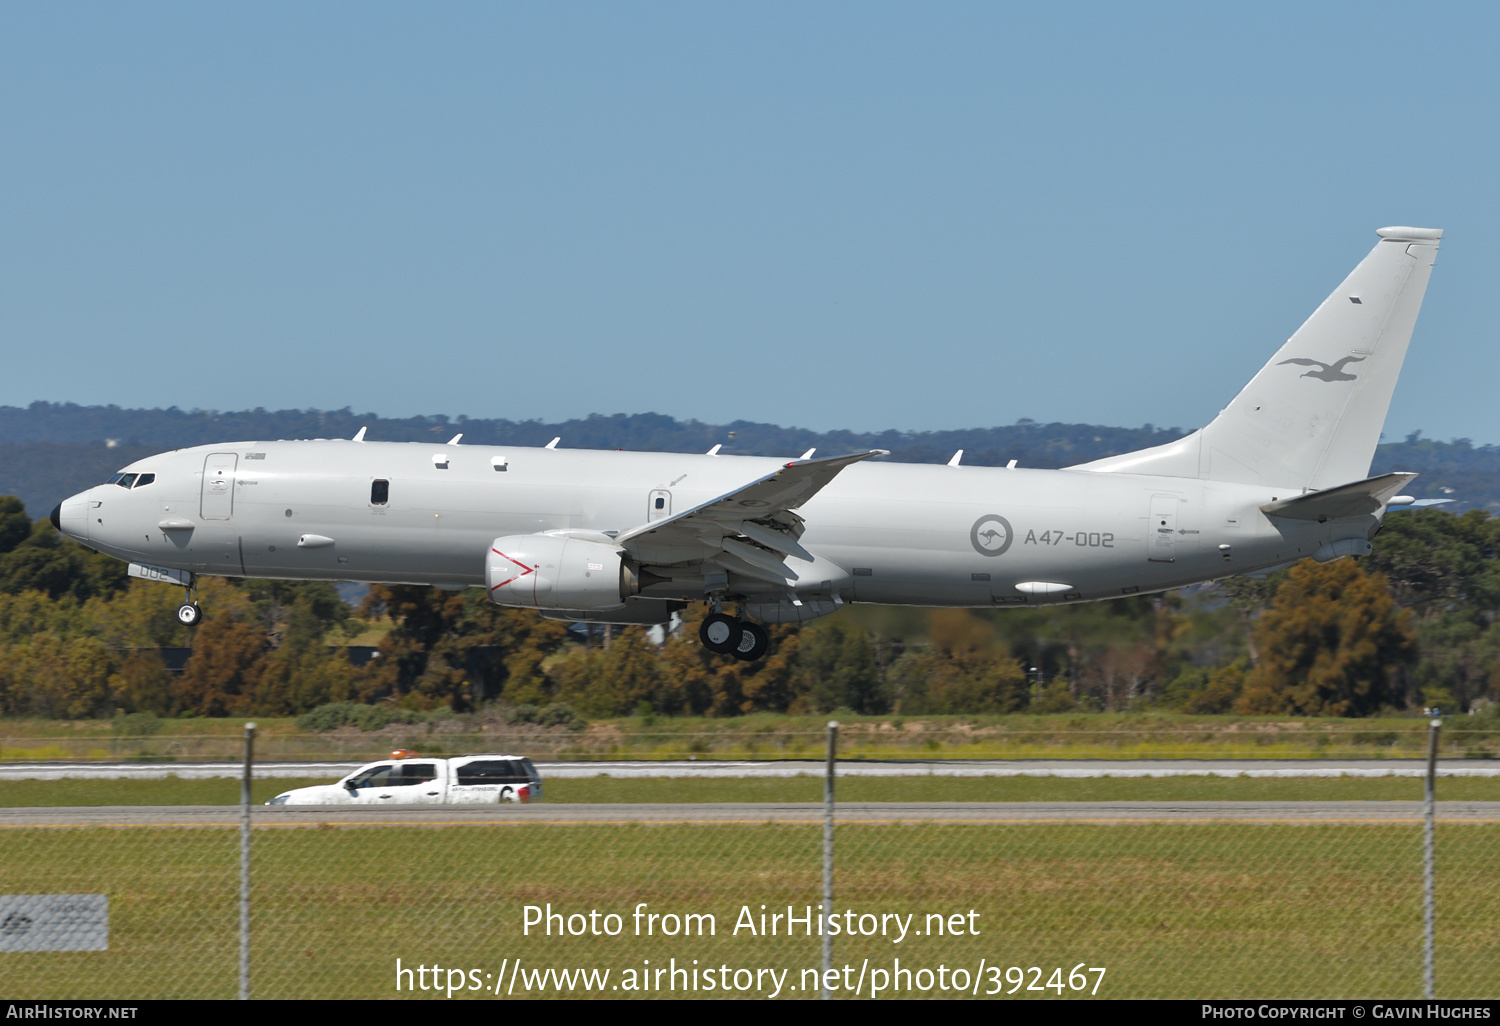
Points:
(1332, 644)
(143, 685)
(54, 678)
(15, 525)
(1446, 570)
(456, 649)
(56, 566)
(836, 668)
(225, 669)
(965, 671)
(613, 681)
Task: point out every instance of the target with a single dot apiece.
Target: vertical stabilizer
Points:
(1313, 415)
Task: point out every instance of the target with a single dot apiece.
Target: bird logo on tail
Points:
(1326, 371)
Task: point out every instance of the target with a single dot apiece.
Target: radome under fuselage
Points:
(896, 533)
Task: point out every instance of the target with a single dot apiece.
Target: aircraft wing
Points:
(1350, 500)
(749, 531)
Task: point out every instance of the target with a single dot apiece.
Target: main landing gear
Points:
(188, 614)
(742, 639)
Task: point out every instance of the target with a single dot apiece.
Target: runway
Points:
(754, 813)
(1076, 768)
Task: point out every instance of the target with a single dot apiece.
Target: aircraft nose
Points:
(71, 517)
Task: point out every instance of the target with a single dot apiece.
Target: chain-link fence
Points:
(1233, 900)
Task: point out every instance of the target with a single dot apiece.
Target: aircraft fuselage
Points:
(898, 533)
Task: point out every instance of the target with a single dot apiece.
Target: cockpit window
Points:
(114, 479)
(144, 480)
(126, 480)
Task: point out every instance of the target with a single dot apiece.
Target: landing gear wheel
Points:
(189, 615)
(719, 633)
(753, 642)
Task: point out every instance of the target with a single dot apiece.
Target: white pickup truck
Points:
(469, 780)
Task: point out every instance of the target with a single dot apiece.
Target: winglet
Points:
(807, 455)
(455, 438)
(956, 457)
(360, 435)
(553, 444)
(715, 450)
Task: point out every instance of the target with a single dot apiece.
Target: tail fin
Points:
(1312, 417)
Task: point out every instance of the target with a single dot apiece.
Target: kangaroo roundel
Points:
(991, 535)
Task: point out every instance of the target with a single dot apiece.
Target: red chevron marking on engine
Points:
(524, 570)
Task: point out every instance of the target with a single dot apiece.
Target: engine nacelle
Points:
(543, 571)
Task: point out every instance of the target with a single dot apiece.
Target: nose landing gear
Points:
(188, 614)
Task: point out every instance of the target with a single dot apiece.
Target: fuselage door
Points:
(218, 486)
(1161, 530)
(659, 507)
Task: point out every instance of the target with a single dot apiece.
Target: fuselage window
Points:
(380, 493)
(661, 503)
(126, 480)
(144, 480)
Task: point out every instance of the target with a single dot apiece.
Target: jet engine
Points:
(544, 571)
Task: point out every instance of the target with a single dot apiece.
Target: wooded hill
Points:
(49, 451)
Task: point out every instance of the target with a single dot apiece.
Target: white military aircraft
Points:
(628, 537)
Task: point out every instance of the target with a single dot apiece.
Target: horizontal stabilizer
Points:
(1351, 500)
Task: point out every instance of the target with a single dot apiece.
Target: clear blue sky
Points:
(826, 215)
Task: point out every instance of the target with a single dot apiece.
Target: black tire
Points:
(719, 633)
(189, 615)
(507, 794)
(753, 642)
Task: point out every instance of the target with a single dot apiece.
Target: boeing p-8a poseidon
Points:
(627, 537)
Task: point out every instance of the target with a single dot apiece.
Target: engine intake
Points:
(544, 571)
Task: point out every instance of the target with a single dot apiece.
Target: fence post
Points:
(833, 740)
(1429, 856)
(245, 863)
